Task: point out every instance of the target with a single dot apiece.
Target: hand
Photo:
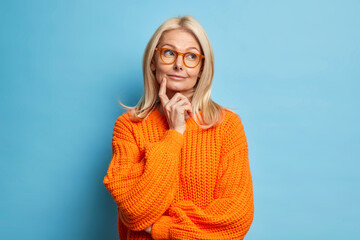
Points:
(148, 229)
(175, 108)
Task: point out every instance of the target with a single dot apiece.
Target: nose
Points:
(178, 64)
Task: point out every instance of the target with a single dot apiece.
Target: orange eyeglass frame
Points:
(181, 54)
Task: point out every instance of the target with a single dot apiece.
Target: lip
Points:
(176, 77)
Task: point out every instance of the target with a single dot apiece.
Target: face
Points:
(179, 77)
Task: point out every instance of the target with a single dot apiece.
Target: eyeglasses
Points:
(169, 56)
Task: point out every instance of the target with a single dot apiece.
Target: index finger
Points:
(162, 92)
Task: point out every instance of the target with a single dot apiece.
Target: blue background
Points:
(290, 69)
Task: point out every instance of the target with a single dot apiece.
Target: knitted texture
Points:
(192, 186)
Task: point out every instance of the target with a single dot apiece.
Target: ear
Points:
(152, 65)
(200, 72)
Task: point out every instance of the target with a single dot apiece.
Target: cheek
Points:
(193, 73)
(163, 69)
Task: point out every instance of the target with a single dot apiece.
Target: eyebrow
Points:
(185, 49)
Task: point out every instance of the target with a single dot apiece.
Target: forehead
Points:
(181, 39)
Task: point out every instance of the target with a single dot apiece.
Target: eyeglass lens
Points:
(169, 56)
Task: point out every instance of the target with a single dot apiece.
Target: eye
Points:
(191, 56)
(169, 52)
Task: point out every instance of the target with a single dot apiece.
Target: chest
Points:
(199, 164)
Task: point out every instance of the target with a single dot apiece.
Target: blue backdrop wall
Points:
(290, 69)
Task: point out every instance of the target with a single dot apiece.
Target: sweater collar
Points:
(157, 115)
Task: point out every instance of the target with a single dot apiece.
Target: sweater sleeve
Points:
(142, 183)
(230, 215)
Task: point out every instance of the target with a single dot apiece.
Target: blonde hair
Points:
(212, 113)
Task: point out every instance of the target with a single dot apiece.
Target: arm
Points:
(230, 215)
(142, 183)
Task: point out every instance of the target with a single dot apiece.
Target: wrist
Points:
(148, 229)
(179, 130)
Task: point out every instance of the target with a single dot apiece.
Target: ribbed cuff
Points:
(161, 228)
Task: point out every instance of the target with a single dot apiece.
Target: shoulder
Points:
(128, 122)
(123, 118)
(123, 124)
(231, 122)
(232, 132)
(232, 128)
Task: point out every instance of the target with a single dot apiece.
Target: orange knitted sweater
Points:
(192, 186)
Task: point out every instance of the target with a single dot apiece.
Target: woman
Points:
(180, 166)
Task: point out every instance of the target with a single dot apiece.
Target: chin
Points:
(175, 89)
(176, 86)
(180, 84)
